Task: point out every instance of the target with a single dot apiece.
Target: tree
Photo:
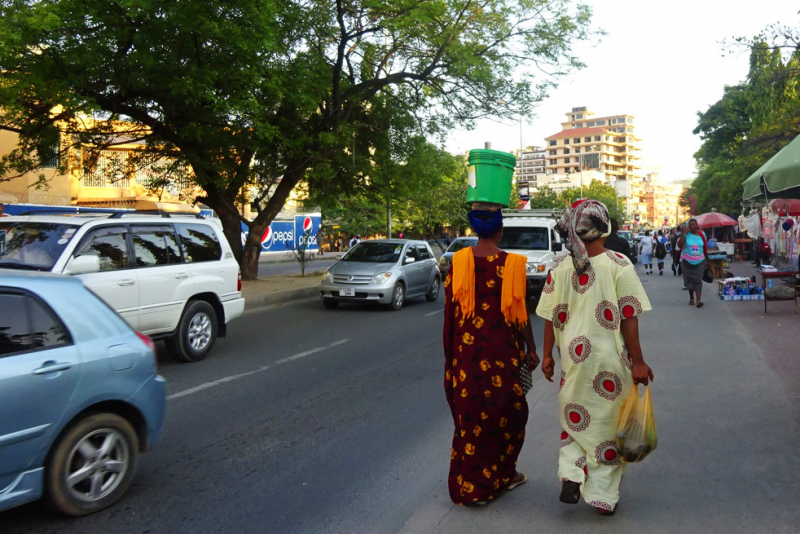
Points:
(598, 191)
(545, 198)
(258, 95)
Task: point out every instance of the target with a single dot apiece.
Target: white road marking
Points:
(434, 313)
(231, 378)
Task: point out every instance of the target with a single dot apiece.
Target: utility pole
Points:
(388, 217)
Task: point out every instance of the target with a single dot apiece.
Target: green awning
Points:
(780, 175)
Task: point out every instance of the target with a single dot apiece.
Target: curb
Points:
(281, 297)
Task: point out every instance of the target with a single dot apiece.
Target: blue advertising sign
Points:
(305, 230)
(279, 237)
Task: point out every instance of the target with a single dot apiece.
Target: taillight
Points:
(239, 283)
(147, 341)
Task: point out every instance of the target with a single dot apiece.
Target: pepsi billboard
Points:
(285, 236)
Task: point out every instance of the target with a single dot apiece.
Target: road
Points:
(308, 420)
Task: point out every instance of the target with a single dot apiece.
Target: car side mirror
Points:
(408, 260)
(558, 247)
(83, 265)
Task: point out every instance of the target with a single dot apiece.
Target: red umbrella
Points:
(786, 206)
(710, 220)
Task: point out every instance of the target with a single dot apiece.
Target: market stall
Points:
(718, 251)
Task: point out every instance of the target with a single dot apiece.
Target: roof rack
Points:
(70, 210)
(554, 213)
(159, 213)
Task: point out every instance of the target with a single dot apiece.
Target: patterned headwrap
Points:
(584, 221)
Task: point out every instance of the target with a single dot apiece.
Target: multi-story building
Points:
(530, 169)
(605, 144)
(659, 204)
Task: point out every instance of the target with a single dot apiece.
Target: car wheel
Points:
(398, 297)
(330, 303)
(433, 291)
(197, 332)
(92, 465)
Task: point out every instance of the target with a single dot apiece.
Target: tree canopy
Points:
(259, 95)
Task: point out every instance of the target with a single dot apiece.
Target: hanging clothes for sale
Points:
(752, 226)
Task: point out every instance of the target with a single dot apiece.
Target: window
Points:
(566, 151)
(580, 115)
(601, 123)
(590, 124)
(27, 324)
(199, 243)
(155, 245)
(422, 252)
(576, 140)
(31, 245)
(596, 137)
(553, 162)
(109, 244)
(566, 141)
(630, 121)
(579, 125)
(552, 143)
(587, 139)
(553, 152)
(15, 334)
(566, 160)
(577, 150)
(613, 121)
(533, 238)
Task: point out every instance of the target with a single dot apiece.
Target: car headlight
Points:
(444, 261)
(380, 278)
(535, 268)
(328, 276)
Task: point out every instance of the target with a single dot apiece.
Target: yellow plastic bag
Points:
(636, 432)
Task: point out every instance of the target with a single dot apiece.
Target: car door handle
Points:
(181, 276)
(51, 367)
(126, 282)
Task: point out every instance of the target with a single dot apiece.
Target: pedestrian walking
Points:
(591, 307)
(487, 336)
(646, 251)
(660, 251)
(320, 240)
(615, 243)
(676, 252)
(694, 256)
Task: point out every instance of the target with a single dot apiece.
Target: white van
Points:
(532, 233)
(170, 277)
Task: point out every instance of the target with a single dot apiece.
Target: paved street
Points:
(306, 420)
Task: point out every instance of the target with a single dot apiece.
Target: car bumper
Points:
(233, 309)
(151, 400)
(381, 293)
(535, 284)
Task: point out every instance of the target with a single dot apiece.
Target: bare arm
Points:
(548, 363)
(642, 374)
(530, 346)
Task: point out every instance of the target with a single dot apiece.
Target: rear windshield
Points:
(33, 246)
(374, 252)
(457, 245)
(532, 238)
(625, 235)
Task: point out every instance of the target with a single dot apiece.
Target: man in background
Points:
(615, 242)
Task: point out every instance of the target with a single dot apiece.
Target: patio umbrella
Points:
(710, 220)
(780, 176)
(786, 206)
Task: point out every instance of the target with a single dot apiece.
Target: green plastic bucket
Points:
(489, 176)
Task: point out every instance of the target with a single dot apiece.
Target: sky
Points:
(660, 61)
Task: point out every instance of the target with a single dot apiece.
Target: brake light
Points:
(239, 283)
(147, 341)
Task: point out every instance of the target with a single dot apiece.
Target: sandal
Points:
(691, 302)
(519, 478)
(607, 513)
(699, 304)
(570, 492)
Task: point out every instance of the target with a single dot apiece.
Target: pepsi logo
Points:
(266, 239)
(307, 224)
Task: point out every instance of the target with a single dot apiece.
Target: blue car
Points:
(80, 396)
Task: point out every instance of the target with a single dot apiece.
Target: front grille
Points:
(351, 279)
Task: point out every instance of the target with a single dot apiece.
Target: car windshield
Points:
(625, 235)
(33, 246)
(458, 244)
(367, 252)
(533, 238)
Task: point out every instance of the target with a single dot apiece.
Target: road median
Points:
(281, 289)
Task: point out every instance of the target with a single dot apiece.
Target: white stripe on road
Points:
(231, 378)
(434, 313)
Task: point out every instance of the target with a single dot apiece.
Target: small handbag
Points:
(525, 376)
(708, 275)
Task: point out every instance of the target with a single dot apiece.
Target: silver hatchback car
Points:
(387, 271)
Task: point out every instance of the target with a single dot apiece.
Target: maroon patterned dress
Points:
(483, 389)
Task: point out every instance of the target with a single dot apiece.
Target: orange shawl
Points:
(512, 300)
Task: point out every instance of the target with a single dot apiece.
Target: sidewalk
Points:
(280, 289)
(727, 413)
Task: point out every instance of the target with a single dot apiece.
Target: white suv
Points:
(172, 278)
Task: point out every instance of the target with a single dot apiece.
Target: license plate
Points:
(347, 292)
